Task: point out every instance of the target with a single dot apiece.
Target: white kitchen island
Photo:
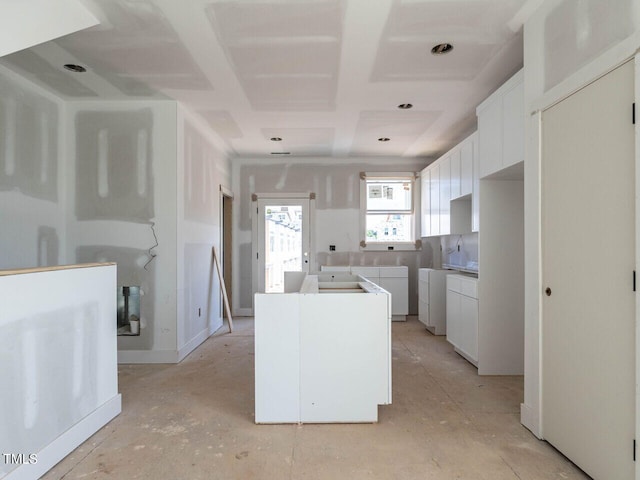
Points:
(322, 351)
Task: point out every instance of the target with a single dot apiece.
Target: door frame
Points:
(228, 193)
(255, 271)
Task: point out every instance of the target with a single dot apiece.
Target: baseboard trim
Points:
(64, 444)
(243, 312)
(529, 418)
(192, 344)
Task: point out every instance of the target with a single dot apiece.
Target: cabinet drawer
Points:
(334, 268)
(393, 272)
(423, 274)
(453, 283)
(469, 287)
(423, 291)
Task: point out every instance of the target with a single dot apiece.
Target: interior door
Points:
(588, 235)
(283, 240)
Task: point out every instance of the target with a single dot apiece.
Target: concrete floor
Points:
(195, 421)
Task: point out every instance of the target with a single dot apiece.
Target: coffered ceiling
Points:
(325, 76)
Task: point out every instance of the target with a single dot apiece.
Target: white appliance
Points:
(432, 299)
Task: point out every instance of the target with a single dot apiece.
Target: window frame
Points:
(414, 212)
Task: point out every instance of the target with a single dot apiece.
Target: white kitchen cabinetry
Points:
(445, 196)
(434, 195)
(462, 315)
(394, 279)
(425, 203)
(323, 353)
(475, 198)
(432, 299)
(501, 127)
(452, 177)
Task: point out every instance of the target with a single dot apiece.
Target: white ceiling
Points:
(324, 75)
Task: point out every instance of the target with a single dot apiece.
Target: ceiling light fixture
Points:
(442, 48)
(72, 67)
(405, 106)
(383, 139)
(276, 139)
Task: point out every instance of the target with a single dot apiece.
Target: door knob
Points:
(547, 291)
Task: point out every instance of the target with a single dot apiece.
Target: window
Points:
(388, 210)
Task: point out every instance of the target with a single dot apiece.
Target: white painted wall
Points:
(202, 168)
(32, 184)
(59, 363)
(567, 45)
(336, 183)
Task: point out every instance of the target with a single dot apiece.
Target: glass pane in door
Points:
(283, 244)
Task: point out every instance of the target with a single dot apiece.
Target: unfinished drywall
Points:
(459, 250)
(583, 47)
(31, 213)
(202, 169)
(114, 179)
(122, 208)
(336, 184)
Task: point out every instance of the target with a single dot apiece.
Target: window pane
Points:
(389, 228)
(388, 195)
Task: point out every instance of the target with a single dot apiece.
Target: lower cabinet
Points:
(462, 315)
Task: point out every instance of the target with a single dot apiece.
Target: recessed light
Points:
(72, 67)
(442, 48)
(276, 139)
(280, 153)
(384, 139)
(405, 106)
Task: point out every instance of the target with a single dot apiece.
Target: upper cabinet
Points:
(501, 127)
(452, 177)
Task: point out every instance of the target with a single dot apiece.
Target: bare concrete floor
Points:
(195, 421)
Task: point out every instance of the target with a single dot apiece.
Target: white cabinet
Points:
(434, 195)
(425, 203)
(325, 355)
(445, 195)
(475, 197)
(432, 299)
(501, 127)
(466, 167)
(462, 315)
(394, 279)
(450, 178)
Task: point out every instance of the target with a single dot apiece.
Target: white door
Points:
(283, 240)
(588, 352)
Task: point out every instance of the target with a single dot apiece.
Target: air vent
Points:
(280, 153)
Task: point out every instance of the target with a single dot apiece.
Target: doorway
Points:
(588, 261)
(226, 241)
(283, 240)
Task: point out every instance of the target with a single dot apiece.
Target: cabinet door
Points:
(475, 194)
(434, 195)
(466, 167)
(490, 138)
(453, 318)
(469, 321)
(445, 196)
(425, 203)
(513, 126)
(456, 175)
(398, 288)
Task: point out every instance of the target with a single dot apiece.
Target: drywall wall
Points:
(202, 169)
(467, 251)
(567, 44)
(121, 201)
(58, 363)
(336, 183)
(32, 212)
